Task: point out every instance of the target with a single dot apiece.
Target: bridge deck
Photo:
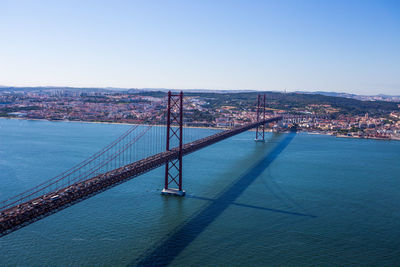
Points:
(23, 214)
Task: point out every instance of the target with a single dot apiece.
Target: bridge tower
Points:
(260, 130)
(173, 168)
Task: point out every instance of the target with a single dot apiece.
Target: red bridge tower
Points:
(173, 168)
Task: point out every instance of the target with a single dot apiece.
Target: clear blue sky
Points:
(330, 45)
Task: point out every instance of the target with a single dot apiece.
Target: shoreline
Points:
(106, 122)
(366, 138)
(197, 127)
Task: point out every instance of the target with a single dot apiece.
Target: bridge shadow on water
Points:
(164, 253)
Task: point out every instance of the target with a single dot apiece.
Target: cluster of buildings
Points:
(352, 126)
(125, 107)
(101, 107)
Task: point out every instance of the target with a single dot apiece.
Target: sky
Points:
(311, 45)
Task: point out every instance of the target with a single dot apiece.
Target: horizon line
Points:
(111, 88)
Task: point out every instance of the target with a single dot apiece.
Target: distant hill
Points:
(130, 90)
(382, 97)
(291, 101)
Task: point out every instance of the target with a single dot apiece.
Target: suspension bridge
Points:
(140, 149)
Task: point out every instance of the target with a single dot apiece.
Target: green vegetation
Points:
(291, 102)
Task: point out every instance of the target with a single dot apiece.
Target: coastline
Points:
(366, 138)
(106, 122)
(199, 127)
(355, 137)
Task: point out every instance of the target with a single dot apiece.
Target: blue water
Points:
(296, 200)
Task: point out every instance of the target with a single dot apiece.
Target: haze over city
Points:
(342, 46)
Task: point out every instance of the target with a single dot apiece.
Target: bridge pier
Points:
(173, 168)
(173, 192)
(260, 130)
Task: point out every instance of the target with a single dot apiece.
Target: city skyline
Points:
(341, 46)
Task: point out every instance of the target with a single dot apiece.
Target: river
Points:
(296, 199)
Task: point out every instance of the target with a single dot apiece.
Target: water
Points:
(295, 200)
